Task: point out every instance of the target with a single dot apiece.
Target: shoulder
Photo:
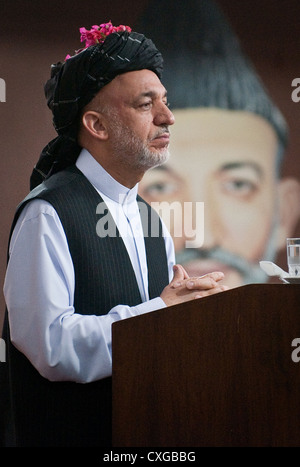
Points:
(38, 214)
(59, 181)
(57, 186)
(36, 207)
(37, 220)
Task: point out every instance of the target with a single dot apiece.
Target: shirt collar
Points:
(103, 181)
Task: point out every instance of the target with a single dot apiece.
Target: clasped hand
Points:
(183, 288)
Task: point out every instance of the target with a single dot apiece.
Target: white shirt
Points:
(61, 343)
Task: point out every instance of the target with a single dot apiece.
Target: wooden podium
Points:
(217, 371)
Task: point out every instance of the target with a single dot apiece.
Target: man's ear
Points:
(289, 209)
(95, 123)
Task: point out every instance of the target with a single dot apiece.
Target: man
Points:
(227, 145)
(80, 257)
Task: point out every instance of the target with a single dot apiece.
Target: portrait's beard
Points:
(131, 151)
(250, 272)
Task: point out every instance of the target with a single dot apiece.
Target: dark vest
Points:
(71, 414)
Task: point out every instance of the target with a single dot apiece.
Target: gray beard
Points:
(131, 151)
(250, 272)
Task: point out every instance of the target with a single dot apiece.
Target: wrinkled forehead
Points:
(132, 85)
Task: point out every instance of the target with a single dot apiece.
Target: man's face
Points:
(227, 160)
(138, 119)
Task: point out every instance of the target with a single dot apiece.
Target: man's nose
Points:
(164, 116)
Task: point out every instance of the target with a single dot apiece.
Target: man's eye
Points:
(146, 105)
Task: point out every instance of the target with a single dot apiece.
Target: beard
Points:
(250, 273)
(132, 151)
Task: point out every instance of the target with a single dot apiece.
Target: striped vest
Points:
(70, 414)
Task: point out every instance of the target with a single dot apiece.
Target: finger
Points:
(180, 275)
(180, 271)
(213, 291)
(185, 274)
(207, 281)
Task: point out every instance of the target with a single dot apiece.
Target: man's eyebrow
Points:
(151, 94)
(243, 164)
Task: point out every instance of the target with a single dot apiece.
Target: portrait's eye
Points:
(160, 189)
(242, 182)
(239, 187)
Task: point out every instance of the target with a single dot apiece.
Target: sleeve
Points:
(170, 250)
(62, 344)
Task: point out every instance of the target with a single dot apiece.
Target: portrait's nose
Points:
(199, 194)
(210, 229)
(210, 237)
